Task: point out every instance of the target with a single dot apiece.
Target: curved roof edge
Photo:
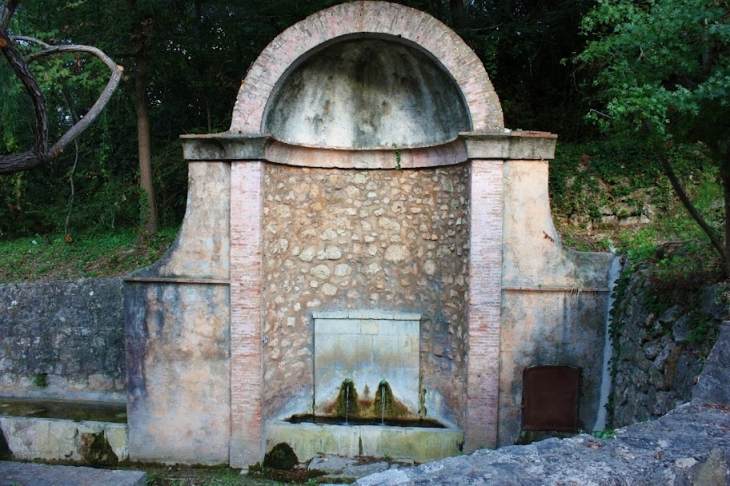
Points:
(367, 17)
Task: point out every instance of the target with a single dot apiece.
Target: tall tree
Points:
(141, 36)
(664, 74)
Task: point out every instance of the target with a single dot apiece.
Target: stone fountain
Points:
(368, 227)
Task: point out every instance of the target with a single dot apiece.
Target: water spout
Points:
(385, 398)
(347, 406)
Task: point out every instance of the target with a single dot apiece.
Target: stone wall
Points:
(553, 300)
(386, 239)
(660, 341)
(62, 339)
(178, 343)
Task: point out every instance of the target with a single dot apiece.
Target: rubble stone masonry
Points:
(381, 239)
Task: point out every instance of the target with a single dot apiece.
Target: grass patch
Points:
(89, 255)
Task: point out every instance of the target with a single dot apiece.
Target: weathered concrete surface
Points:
(366, 94)
(532, 252)
(178, 346)
(550, 328)
(65, 440)
(62, 339)
(177, 315)
(418, 444)
(201, 248)
(23, 474)
(554, 301)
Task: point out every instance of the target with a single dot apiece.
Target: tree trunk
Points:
(725, 177)
(140, 39)
(717, 243)
(458, 18)
(144, 143)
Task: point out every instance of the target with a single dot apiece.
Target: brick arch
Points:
(362, 18)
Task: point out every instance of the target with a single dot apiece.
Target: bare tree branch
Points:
(42, 154)
(20, 68)
(7, 9)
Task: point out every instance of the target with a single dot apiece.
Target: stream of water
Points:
(613, 275)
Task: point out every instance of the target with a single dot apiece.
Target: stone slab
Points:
(404, 443)
(24, 474)
(368, 347)
(59, 440)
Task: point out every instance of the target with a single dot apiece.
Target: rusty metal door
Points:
(550, 398)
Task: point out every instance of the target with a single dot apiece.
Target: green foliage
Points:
(619, 175)
(604, 434)
(41, 380)
(281, 457)
(665, 62)
(663, 73)
(90, 255)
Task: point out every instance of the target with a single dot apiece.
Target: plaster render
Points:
(365, 94)
(201, 249)
(178, 402)
(531, 249)
(553, 300)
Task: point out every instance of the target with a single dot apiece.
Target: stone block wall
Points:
(660, 342)
(383, 239)
(62, 339)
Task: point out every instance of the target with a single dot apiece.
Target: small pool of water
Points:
(59, 409)
(315, 419)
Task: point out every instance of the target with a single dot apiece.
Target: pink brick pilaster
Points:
(485, 282)
(246, 446)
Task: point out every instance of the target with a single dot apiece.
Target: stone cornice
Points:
(507, 145)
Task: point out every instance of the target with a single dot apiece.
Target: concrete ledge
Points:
(59, 440)
(18, 473)
(515, 145)
(418, 444)
(374, 314)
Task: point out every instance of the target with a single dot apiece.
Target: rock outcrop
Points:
(688, 446)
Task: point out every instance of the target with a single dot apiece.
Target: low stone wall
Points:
(85, 442)
(62, 339)
(660, 340)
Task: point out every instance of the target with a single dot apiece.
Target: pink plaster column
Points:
(246, 445)
(485, 300)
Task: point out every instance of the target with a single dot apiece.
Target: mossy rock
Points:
(96, 450)
(281, 457)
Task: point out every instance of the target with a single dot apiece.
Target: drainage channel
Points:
(65, 410)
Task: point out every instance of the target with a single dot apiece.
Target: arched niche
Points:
(367, 93)
(366, 19)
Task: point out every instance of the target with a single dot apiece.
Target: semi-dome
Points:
(367, 93)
